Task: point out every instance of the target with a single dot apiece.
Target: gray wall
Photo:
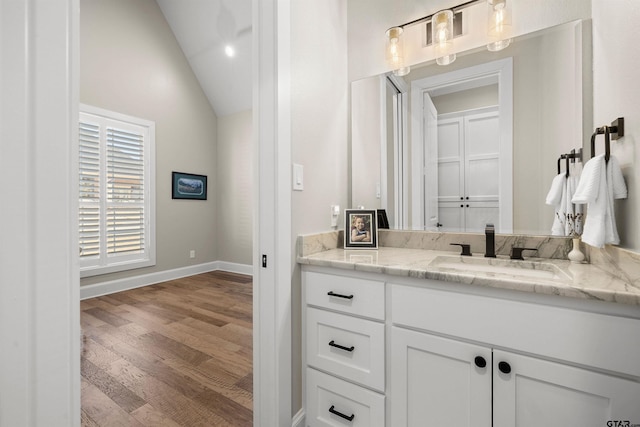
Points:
(319, 128)
(234, 195)
(131, 63)
(616, 90)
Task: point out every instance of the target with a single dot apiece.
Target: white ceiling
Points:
(203, 28)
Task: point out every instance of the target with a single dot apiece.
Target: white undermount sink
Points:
(500, 267)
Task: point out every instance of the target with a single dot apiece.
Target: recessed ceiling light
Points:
(230, 51)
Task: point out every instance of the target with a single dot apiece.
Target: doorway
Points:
(422, 159)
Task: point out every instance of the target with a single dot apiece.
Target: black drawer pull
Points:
(333, 411)
(331, 294)
(333, 344)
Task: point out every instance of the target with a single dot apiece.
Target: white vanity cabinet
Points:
(527, 374)
(443, 382)
(433, 353)
(344, 346)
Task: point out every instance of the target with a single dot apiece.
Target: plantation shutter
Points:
(116, 230)
(89, 181)
(125, 192)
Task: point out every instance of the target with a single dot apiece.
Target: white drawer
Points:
(585, 338)
(346, 346)
(327, 397)
(346, 294)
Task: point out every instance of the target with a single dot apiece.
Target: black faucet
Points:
(466, 249)
(490, 238)
(516, 253)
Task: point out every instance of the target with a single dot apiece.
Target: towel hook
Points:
(615, 131)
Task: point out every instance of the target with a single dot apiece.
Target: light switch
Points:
(298, 177)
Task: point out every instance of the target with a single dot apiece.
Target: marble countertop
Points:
(557, 277)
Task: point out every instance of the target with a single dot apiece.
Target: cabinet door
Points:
(541, 393)
(435, 381)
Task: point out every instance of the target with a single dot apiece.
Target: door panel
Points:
(435, 382)
(542, 393)
(430, 164)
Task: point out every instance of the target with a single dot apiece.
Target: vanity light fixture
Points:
(442, 33)
(395, 51)
(442, 36)
(499, 25)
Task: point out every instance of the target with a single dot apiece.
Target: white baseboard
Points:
(298, 419)
(233, 267)
(112, 286)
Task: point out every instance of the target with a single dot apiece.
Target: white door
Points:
(541, 393)
(468, 170)
(436, 382)
(430, 164)
(451, 174)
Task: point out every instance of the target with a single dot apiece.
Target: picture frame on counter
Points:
(361, 229)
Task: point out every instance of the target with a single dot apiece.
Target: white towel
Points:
(556, 198)
(574, 222)
(599, 184)
(566, 220)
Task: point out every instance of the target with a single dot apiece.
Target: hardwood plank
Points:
(107, 316)
(246, 383)
(86, 420)
(175, 405)
(217, 380)
(168, 347)
(211, 311)
(156, 308)
(229, 410)
(237, 334)
(187, 312)
(151, 365)
(177, 353)
(149, 416)
(209, 344)
(121, 395)
(104, 411)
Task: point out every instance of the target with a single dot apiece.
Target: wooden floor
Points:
(174, 354)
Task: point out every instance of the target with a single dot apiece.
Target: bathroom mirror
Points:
(497, 146)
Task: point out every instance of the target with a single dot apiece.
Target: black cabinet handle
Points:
(504, 367)
(480, 362)
(341, 347)
(331, 294)
(348, 418)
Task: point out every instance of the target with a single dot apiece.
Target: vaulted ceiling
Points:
(204, 28)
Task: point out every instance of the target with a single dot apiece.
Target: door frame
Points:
(501, 71)
(272, 357)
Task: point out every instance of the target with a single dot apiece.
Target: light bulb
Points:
(442, 35)
(499, 25)
(229, 51)
(395, 51)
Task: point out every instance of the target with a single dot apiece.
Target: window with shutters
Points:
(116, 191)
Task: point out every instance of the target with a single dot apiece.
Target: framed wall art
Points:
(188, 186)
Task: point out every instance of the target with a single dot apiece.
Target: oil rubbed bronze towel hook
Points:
(615, 131)
(573, 155)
